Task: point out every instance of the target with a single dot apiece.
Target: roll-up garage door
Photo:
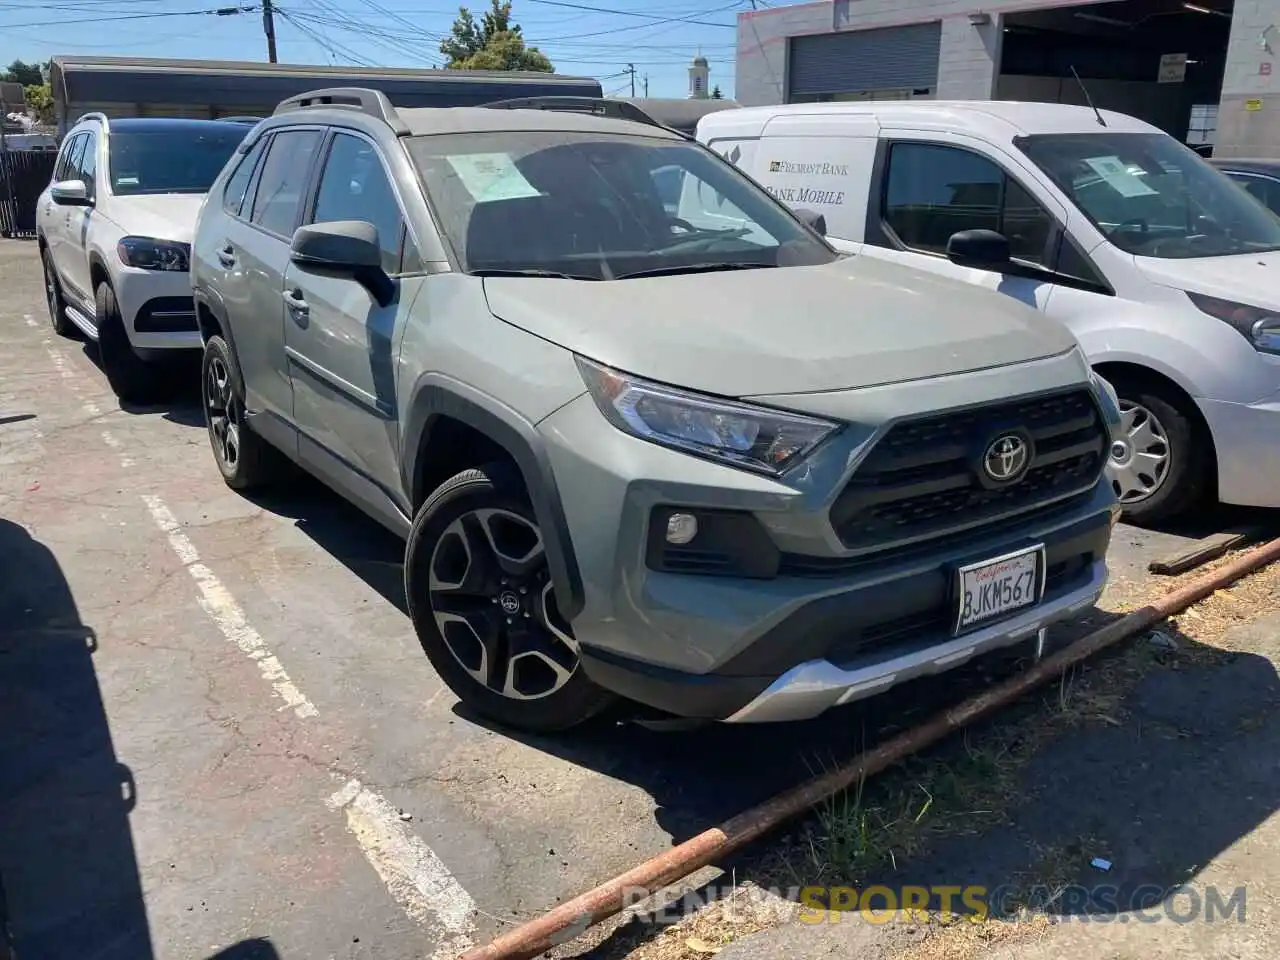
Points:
(854, 60)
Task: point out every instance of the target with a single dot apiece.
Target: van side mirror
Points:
(70, 193)
(984, 249)
(349, 247)
(813, 220)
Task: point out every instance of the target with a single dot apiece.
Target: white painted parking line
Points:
(414, 876)
(420, 882)
(412, 873)
(223, 610)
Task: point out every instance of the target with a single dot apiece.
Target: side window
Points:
(934, 191)
(89, 165)
(410, 257)
(1073, 262)
(284, 177)
(238, 183)
(354, 186)
(1263, 188)
(69, 161)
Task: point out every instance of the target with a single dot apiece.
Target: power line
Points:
(217, 12)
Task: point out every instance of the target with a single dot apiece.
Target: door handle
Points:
(227, 256)
(297, 306)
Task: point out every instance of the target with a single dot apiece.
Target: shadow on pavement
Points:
(69, 882)
(68, 861)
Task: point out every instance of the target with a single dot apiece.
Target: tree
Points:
(27, 74)
(495, 43)
(716, 94)
(39, 99)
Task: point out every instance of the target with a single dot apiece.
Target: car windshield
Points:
(171, 159)
(602, 207)
(1153, 197)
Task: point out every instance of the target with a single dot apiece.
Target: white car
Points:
(114, 228)
(1166, 272)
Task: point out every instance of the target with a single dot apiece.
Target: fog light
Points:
(681, 528)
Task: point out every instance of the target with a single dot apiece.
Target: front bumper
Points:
(868, 632)
(158, 310)
(1246, 439)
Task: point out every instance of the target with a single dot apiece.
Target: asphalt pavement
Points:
(221, 738)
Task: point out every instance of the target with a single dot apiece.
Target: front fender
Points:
(436, 395)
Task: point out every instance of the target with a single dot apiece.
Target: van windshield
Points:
(1153, 197)
(599, 206)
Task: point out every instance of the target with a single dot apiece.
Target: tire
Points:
(255, 462)
(1164, 420)
(54, 300)
(465, 576)
(132, 379)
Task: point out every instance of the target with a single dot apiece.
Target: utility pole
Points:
(631, 69)
(269, 28)
(646, 86)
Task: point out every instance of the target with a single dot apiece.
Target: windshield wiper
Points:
(530, 272)
(696, 268)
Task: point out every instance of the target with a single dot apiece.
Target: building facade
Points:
(956, 50)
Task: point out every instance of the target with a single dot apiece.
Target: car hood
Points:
(1252, 278)
(163, 216)
(856, 322)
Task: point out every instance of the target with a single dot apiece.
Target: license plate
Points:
(993, 588)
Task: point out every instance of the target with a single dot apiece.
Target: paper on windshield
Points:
(1119, 177)
(491, 176)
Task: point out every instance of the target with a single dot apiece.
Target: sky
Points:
(659, 37)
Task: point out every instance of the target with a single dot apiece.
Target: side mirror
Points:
(984, 249)
(70, 193)
(348, 247)
(813, 220)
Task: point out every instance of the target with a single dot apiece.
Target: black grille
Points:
(167, 315)
(922, 479)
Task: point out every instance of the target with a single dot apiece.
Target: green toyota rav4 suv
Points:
(693, 457)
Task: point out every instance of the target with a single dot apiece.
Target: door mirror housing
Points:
(814, 221)
(984, 249)
(70, 193)
(345, 247)
(989, 250)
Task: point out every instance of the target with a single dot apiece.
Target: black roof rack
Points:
(599, 106)
(373, 103)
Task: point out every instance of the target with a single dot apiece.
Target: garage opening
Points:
(897, 63)
(1159, 60)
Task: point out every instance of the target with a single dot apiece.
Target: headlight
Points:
(1258, 325)
(146, 253)
(754, 438)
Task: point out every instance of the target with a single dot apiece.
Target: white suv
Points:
(115, 227)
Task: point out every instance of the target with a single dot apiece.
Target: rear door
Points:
(255, 254)
(54, 218)
(76, 227)
(926, 190)
(338, 339)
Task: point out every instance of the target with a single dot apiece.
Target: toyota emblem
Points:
(1006, 458)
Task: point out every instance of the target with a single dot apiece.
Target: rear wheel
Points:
(483, 606)
(1161, 464)
(244, 458)
(132, 379)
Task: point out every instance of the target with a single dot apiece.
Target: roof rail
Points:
(245, 119)
(95, 115)
(373, 103)
(601, 106)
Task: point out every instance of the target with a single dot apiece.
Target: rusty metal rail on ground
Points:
(572, 918)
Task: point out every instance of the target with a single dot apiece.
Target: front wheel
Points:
(132, 379)
(483, 606)
(1161, 464)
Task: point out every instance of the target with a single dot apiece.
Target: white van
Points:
(1166, 271)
